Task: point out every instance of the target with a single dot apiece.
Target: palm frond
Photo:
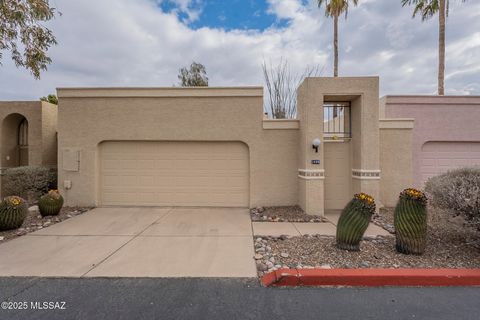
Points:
(425, 8)
(335, 8)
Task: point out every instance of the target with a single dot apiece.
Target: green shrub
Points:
(30, 183)
(457, 191)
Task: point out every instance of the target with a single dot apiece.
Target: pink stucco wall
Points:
(438, 119)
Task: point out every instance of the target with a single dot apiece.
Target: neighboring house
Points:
(446, 133)
(28, 134)
(213, 147)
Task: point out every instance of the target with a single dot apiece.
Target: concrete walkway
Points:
(276, 229)
(137, 242)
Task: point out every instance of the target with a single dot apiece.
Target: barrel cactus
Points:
(51, 203)
(354, 221)
(13, 211)
(410, 220)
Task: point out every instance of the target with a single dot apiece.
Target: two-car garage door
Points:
(143, 173)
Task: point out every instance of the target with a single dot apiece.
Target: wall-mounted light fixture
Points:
(316, 143)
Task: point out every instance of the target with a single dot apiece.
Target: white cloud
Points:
(192, 8)
(133, 43)
(286, 9)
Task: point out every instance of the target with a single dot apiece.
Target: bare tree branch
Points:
(281, 86)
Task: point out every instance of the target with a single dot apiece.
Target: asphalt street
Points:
(228, 299)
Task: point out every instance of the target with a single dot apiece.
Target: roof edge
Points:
(431, 100)
(134, 92)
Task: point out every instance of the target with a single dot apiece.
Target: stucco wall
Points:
(395, 158)
(49, 134)
(87, 117)
(447, 118)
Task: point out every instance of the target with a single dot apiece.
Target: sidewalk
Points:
(276, 229)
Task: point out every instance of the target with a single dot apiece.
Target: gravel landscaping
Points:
(450, 244)
(283, 214)
(34, 221)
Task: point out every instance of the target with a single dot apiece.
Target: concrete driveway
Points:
(137, 242)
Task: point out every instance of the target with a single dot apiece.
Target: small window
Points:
(23, 133)
(337, 120)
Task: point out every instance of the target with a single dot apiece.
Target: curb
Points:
(372, 277)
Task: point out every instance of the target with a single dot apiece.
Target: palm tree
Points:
(429, 8)
(334, 9)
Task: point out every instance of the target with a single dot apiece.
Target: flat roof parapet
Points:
(173, 92)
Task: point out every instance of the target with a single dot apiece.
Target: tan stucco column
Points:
(310, 163)
(366, 140)
(362, 93)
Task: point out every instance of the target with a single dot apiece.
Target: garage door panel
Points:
(164, 164)
(126, 197)
(123, 180)
(146, 181)
(145, 164)
(438, 157)
(111, 164)
(174, 173)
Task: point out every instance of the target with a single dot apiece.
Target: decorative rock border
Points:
(256, 214)
(266, 262)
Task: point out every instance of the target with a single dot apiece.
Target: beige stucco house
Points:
(213, 147)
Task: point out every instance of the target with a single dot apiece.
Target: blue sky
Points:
(145, 43)
(227, 15)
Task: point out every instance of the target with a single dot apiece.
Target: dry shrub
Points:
(457, 191)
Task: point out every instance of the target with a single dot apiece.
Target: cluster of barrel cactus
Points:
(410, 220)
(354, 221)
(13, 211)
(51, 203)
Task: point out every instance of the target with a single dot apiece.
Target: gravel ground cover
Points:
(283, 214)
(450, 244)
(34, 221)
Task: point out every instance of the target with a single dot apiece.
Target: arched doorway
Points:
(14, 141)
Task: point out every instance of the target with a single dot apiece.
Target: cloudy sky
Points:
(145, 42)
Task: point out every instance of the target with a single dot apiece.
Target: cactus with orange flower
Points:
(410, 220)
(354, 221)
(13, 211)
